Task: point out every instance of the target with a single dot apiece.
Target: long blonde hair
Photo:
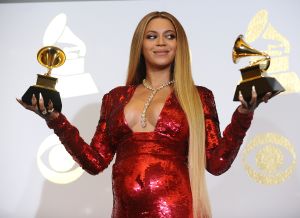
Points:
(188, 97)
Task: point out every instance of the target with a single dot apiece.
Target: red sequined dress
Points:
(150, 174)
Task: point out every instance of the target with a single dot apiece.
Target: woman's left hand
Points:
(246, 108)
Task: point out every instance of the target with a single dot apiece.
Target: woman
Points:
(163, 129)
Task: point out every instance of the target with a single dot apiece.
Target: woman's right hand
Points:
(38, 107)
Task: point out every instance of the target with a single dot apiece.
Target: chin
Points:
(162, 63)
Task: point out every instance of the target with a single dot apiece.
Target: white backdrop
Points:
(30, 169)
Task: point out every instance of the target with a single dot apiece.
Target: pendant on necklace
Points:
(149, 99)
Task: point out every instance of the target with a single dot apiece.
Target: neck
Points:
(157, 77)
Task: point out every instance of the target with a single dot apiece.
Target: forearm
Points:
(222, 151)
(82, 153)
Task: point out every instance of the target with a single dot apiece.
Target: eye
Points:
(269, 158)
(151, 36)
(55, 164)
(171, 36)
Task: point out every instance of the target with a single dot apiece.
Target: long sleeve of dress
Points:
(93, 158)
(221, 151)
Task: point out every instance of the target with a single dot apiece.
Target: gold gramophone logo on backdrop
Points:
(278, 49)
(274, 155)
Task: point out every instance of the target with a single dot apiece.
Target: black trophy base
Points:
(262, 85)
(47, 94)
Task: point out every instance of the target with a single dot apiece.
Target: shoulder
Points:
(207, 97)
(208, 102)
(119, 93)
(204, 92)
(121, 90)
(116, 96)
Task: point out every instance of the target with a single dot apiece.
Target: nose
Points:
(161, 41)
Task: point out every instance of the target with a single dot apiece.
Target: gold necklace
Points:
(149, 99)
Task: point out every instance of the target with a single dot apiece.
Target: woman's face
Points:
(159, 43)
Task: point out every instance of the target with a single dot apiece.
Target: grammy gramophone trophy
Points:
(49, 57)
(252, 74)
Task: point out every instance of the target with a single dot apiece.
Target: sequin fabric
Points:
(150, 174)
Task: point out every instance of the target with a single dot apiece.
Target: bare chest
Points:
(134, 108)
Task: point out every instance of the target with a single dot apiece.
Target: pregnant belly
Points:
(148, 184)
(148, 174)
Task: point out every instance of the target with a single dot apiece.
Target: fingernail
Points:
(41, 97)
(240, 93)
(253, 88)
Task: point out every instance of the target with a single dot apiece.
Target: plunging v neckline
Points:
(158, 119)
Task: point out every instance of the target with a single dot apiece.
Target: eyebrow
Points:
(153, 31)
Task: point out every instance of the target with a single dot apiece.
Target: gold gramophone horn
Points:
(242, 49)
(51, 57)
